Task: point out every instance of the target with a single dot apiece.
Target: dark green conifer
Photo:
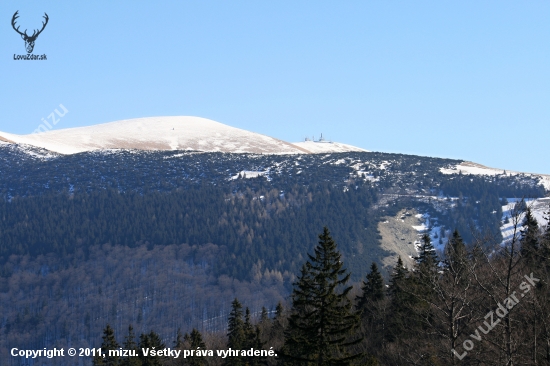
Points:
(194, 341)
(426, 267)
(109, 343)
(397, 278)
(235, 326)
(276, 332)
(400, 302)
(371, 306)
(372, 289)
(236, 333)
(130, 344)
(322, 325)
(279, 310)
(150, 341)
(530, 239)
(249, 331)
(455, 253)
(427, 256)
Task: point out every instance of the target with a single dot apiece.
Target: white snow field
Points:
(156, 133)
(319, 147)
(540, 208)
(467, 167)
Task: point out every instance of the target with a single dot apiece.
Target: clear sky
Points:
(458, 79)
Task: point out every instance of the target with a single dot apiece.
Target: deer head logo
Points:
(29, 40)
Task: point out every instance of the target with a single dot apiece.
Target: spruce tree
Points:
(279, 310)
(530, 239)
(151, 340)
(235, 326)
(130, 344)
(109, 343)
(236, 333)
(397, 278)
(249, 331)
(194, 341)
(322, 325)
(276, 333)
(371, 306)
(252, 340)
(372, 289)
(426, 268)
(399, 302)
(427, 256)
(455, 253)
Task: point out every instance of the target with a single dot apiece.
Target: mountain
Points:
(137, 222)
(167, 133)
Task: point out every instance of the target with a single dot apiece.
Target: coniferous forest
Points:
(470, 308)
(183, 250)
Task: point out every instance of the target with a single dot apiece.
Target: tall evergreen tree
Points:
(426, 269)
(279, 310)
(151, 340)
(194, 341)
(400, 300)
(530, 239)
(427, 256)
(276, 332)
(323, 325)
(249, 331)
(372, 307)
(109, 343)
(397, 278)
(372, 289)
(236, 333)
(455, 253)
(130, 344)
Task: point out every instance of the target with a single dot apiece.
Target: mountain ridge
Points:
(167, 133)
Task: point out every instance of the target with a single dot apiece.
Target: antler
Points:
(34, 35)
(15, 16)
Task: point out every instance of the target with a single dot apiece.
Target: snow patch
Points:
(320, 147)
(467, 167)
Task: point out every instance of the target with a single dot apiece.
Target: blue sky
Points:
(457, 79)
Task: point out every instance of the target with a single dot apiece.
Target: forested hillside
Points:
(271, 227)
(167, 240)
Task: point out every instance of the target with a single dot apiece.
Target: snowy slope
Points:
(156, 133)
(539, 209)
(467, 167)
(317, 147)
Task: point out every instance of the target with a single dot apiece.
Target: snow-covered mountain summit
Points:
(166, 133)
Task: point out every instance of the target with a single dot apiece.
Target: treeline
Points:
(471, 307)
(477, 186)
